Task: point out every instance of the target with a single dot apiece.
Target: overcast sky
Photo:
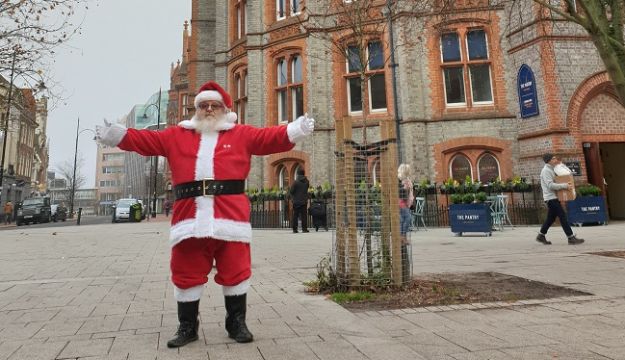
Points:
(121, 58)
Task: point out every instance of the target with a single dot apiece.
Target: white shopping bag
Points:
(562, 170)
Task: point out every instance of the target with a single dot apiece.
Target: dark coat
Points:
(299, 191)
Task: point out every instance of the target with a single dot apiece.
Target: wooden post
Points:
(390, 195)
(340, 214)
(350, 203)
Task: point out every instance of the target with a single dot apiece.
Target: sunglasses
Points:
(214, 106)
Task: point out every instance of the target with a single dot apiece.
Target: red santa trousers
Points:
(192, 262)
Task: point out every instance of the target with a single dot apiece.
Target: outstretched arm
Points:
(280, 138)
(144, 142)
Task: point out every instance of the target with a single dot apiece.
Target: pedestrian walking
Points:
(554, 208)
(167, 206)
(209, 158)
(299, 197)
(8, 212)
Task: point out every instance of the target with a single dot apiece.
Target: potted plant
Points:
(588, 208)
(424, 187)
(326, 190)
(519, 184)
(449, 186)
(480, 197)
(468, 214)
(497, 185)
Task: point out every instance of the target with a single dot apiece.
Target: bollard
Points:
(79, 214)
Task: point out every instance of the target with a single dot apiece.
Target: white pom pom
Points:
(231, 117)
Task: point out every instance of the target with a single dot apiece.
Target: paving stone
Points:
(43, 351)
(84, 348)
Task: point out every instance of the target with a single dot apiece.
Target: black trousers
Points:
(555, 210)
(300, 212)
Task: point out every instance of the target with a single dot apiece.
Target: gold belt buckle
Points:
(205, 186)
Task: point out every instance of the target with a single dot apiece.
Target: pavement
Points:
(102, 292)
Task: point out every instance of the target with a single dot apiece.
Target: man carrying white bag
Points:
(552, 172)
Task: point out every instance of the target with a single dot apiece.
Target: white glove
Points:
(110, 134)
(306, 124)
(300, 128)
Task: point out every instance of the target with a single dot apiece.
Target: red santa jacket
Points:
(223, 155)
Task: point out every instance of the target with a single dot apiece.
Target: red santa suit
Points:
(210, 227)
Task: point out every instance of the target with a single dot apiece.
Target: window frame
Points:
(348, 76)
(466, 64)
(451, 161)
(285, 93)
(284, 2)
(240, 92)
(479, 160)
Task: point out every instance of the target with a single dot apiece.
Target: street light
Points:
(158, 127)
(40, 86)
(71, 202)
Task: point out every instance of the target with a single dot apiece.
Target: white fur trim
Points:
(207, 95)
(222, 229)
(225, 124)
(188, 295)
(112, 135)
(238, 289)
(205, 155)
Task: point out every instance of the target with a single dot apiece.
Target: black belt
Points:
(208, 187)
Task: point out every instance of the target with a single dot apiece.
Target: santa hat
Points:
(212, 91)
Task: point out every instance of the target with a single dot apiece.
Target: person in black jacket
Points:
(299, 197)
(318, 210)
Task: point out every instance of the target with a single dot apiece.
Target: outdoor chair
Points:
(499, 211)
(418, 215)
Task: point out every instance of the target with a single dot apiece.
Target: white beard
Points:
(207, 123)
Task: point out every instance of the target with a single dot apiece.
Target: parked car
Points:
(59, 212)
(122, 209)
(34, 210)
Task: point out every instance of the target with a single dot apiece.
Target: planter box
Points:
(586, 210)
(470, 218)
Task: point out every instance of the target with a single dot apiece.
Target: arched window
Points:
(460, 168)
(297, 168)
(488, 168)
(283, 177)
(376, 172)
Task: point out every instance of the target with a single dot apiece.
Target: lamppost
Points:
(155, 158)
(5, 133)
(73, 193)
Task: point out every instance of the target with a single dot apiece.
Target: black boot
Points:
(541, 238)
(235, 319)
(574, 240)
(189, 324)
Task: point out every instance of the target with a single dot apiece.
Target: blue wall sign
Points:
(528, 95)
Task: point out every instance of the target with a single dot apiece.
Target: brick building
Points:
(26, 148)
(459, 83)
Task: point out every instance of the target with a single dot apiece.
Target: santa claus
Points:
(209, 157)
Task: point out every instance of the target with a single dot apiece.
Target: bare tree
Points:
(66, 171)
(31, 30)
(604, 21)
(358, 34)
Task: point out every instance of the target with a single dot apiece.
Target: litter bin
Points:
(135, 213)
